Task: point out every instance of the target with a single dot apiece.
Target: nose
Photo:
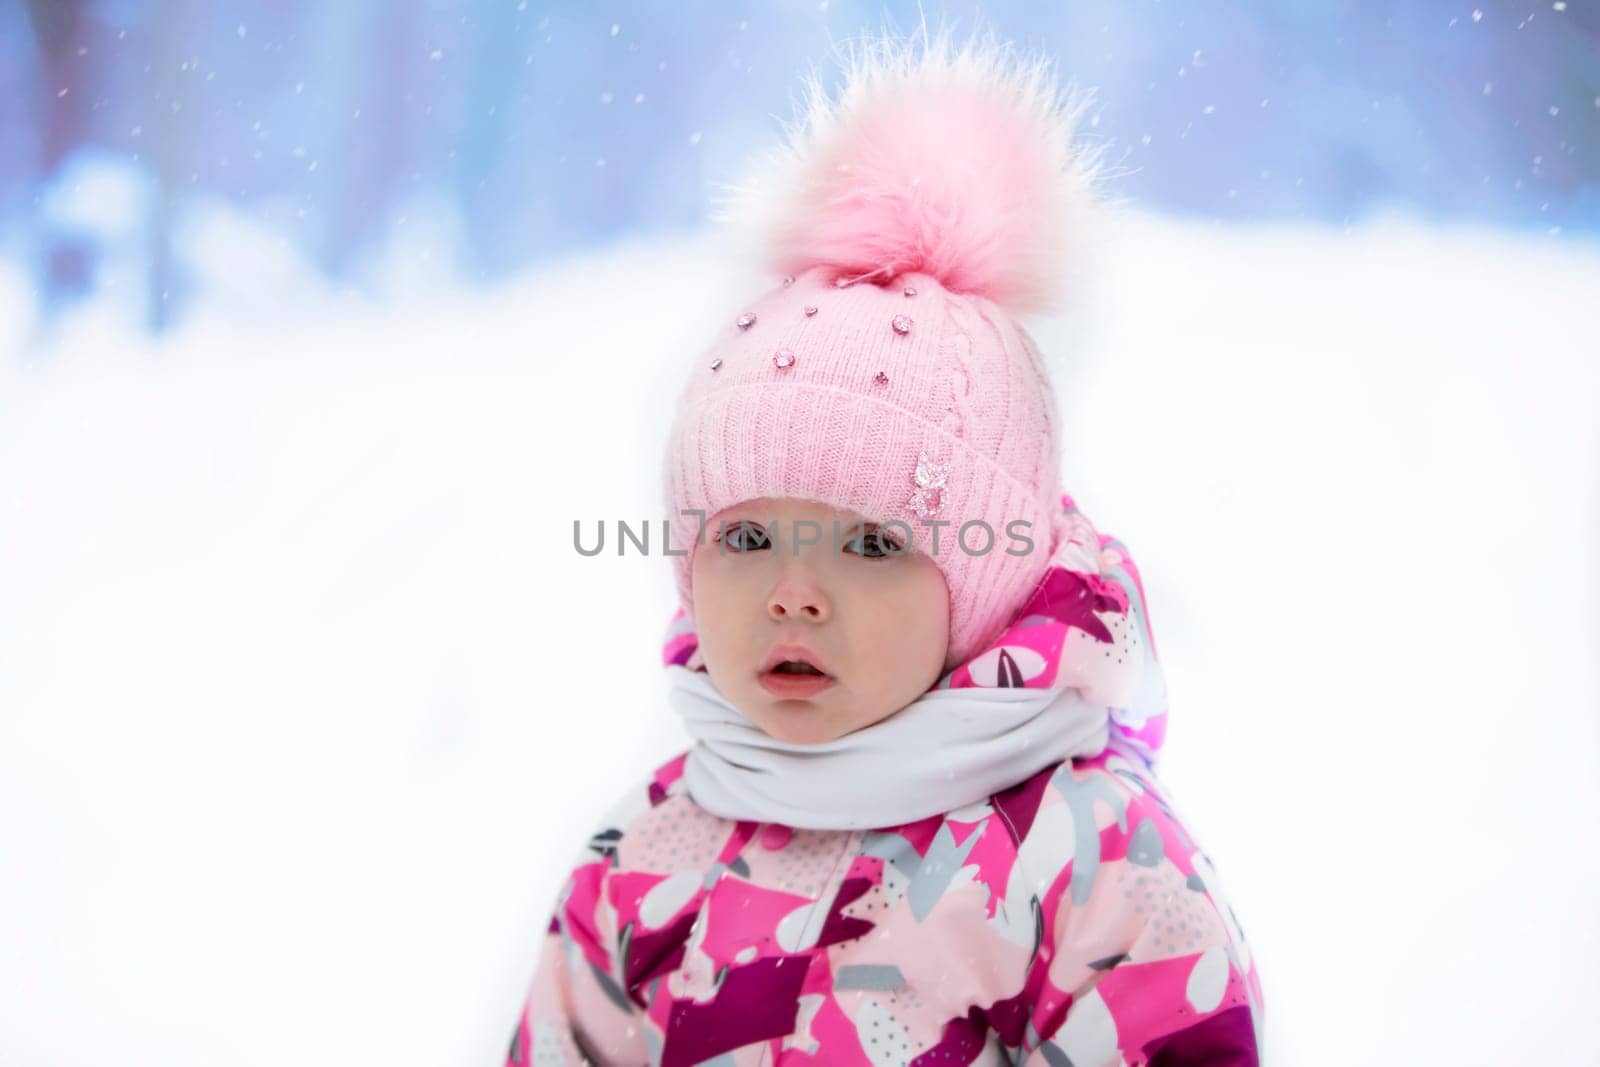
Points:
(798, 596)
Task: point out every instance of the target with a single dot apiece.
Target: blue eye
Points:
(745, 537)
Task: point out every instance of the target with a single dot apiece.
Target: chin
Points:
(782, 726)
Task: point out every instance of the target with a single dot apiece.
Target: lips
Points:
(791, 656)
(794, 672)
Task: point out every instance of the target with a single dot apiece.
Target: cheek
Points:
(722, 595)
(913, 623)
(932, 617)
(707, 584)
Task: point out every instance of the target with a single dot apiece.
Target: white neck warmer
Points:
(945, 750)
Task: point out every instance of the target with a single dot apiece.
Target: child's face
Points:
(878, 625)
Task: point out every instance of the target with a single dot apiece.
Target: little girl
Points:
(918, 823)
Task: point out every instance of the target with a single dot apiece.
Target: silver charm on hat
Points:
(929, 478)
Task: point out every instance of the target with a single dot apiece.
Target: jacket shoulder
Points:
(628, 808)
(1140, 934)
(1109, 811)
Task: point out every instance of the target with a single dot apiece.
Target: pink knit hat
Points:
(913, 216)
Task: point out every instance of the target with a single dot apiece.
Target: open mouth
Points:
(795, 666)
(794, 677)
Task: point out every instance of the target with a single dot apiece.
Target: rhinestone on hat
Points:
(811, 309)
(716, 363)
(783, 358)
(788, 280)
(881, 378)
(911, 290)
(928, 499)
(901, 324)
(745, 321)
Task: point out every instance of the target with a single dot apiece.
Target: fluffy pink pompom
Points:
(958, 163)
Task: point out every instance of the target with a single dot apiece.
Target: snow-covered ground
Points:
(306, 700)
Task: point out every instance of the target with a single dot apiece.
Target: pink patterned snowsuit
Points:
(1070, 919)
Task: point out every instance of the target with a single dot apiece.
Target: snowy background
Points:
(306, 700)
